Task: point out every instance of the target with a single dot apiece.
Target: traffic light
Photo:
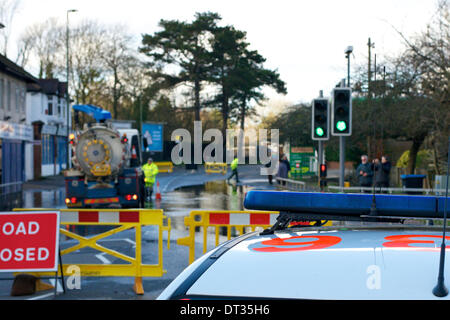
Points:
(342, 112)
(320, 122)
(72, 139)
(323, 170)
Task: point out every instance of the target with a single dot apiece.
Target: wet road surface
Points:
(182, 192)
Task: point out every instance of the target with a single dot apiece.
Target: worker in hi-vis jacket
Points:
(234, 167)
(150, 170)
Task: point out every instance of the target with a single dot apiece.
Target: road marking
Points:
(58, 285)
(43, 296)
(130, 241)
(172, 179)
(101, 257)
(59, 289)
(115, 240)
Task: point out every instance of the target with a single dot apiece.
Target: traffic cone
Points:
(133, 153)
(158, 192)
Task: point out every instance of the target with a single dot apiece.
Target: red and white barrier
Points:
(242, 219)
(99, 217)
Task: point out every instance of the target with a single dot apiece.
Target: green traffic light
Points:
(320, 132)
(341, 126)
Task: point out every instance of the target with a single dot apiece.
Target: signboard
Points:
(49, 129)
(29, 241)
(62, 131)
(302, 161)
(152, 133)
(9, 130)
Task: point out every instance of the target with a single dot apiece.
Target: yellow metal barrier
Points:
(213, 167)
(229, 219)
(165, 166)
(124, 220)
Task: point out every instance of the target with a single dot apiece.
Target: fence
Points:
(388, 190)
(290, 184)
(123, 220)
(228, 219)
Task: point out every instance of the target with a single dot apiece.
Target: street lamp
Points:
(67, 93)
(341, 126)
(348, 51)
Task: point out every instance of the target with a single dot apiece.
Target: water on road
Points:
(214, 195)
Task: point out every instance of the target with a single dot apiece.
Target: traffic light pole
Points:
(341, 161)
(320, 155)
(320, 158)
(342, 153)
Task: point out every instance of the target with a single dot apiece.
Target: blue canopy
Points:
(96, 112)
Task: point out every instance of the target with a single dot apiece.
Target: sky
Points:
(304, 40)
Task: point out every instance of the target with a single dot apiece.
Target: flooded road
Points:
(44, 198)
(215, 195)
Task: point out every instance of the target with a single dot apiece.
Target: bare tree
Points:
(117, 57)
(415, 92)
(429, 53)
(25, 47)
(8, 10)
(104, 65)
(45, 41)
(87, 69)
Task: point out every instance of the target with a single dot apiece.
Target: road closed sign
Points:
(29, 241)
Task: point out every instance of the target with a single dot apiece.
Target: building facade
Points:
(47, 114)
(16, 135)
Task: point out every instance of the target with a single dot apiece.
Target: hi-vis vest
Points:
(234, 164)
(150, 172)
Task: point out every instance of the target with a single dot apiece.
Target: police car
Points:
(370, 252)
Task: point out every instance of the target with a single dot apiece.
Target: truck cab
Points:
(134, 152)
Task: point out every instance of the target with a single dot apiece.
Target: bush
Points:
(424, 158)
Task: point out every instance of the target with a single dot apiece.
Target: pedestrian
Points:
(268, 165)
(382, 171)
(364, 172)
(150, 170)
(234, 168)
(282, 171)
(269, 176)
(288, 165)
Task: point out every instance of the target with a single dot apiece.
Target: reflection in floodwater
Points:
(44, 198)
(216, 195)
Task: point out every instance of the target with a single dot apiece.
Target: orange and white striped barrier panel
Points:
(124, 220)
(239, 220)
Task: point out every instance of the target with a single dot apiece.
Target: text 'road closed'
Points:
(29, 241)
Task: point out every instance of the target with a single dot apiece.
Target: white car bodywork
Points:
(396, 262)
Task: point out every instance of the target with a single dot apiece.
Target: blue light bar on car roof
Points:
(339, 204)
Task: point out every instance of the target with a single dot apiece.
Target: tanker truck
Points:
(105, 164)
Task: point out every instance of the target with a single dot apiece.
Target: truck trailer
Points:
(106, 164)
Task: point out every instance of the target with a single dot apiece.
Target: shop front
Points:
(13, 139)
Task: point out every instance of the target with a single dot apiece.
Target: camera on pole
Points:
(341, 112)
(320, 120)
